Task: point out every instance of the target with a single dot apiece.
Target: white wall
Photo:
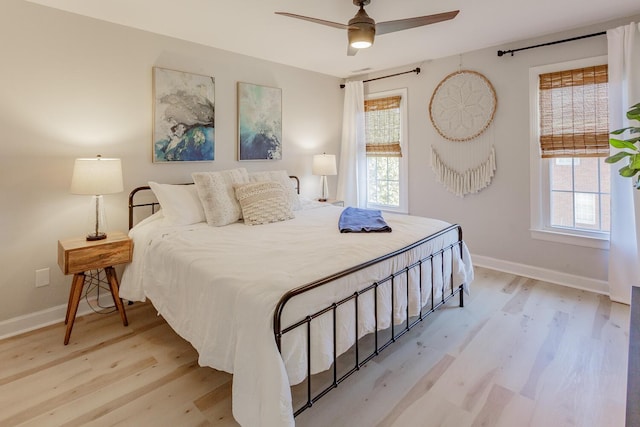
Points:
(496, 221)
(72, 87)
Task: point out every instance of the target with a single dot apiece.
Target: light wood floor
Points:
(520, 353)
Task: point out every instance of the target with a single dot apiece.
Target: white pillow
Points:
(282, 177)
(216, 192)
(180, 203)
(263, 202)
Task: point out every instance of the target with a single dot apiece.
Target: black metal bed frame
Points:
(405, 327)
(396, 331)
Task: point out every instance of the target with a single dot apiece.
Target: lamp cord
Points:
(94, 281)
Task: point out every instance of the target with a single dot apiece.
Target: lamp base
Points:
(97, 221)
(97, 236)
(325, 189)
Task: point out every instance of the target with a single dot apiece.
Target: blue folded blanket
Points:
(355, 220)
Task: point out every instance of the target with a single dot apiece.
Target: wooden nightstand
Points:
(77, 256)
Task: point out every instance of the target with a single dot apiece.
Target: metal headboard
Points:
(154, 205)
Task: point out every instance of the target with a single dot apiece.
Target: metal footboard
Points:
(396, 331)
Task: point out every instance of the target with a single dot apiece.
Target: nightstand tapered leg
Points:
(74, 283)
(113, 284)
(74, 301)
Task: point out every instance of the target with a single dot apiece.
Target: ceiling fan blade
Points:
(316, 20)
(419, 21)
(351, 51)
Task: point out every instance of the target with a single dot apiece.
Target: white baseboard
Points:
(29, 322)
(551, 276)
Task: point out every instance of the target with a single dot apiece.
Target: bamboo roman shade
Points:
(574, 116)
(382, 123)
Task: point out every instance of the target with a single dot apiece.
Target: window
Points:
(570, 139)
(580, 193)
(386, 150)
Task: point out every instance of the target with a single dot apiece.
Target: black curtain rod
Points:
(415, 70)
(503, 52)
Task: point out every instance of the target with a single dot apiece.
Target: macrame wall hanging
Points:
(462, 109)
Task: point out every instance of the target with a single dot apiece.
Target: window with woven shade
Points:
(382, 124)
(387, 150)
(570, 181)
(574, 117)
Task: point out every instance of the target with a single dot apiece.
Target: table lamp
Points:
(97, 176)
(323, 165)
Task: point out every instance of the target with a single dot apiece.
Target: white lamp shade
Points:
(97, 176)
(324, 164)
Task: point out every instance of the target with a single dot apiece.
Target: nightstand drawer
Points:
(77, 256)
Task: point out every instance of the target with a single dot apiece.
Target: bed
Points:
(282, 303)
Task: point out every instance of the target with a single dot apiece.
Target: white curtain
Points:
(352, 174)
(624, 91)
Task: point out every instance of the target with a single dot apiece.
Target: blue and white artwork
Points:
(259, 122)
(183, 117)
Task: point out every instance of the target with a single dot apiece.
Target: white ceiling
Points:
(251, 28)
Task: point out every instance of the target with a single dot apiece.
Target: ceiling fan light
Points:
(361, 44)
(362, 37)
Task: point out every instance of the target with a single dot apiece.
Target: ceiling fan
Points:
(362, 29)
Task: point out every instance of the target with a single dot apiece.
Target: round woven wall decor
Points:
(463, 105)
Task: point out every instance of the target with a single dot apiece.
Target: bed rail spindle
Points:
(452, 286)
(420, 287)
(356, 327)
(407, 281)
(335, 345)
(393, 304)
(433, 282)
(444, 284)
(375, 316)
(309, 399)
(461, 291)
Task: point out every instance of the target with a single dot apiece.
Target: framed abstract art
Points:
(259, 122)
(183, 116)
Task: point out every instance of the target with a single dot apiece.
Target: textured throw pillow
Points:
(180, 203)
(282, 177)
(263, 202)
(217, 194)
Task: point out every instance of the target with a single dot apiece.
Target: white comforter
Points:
(218, 288)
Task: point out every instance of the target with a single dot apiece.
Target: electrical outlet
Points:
(42, 277)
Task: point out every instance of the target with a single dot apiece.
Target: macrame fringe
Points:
(470, 181)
